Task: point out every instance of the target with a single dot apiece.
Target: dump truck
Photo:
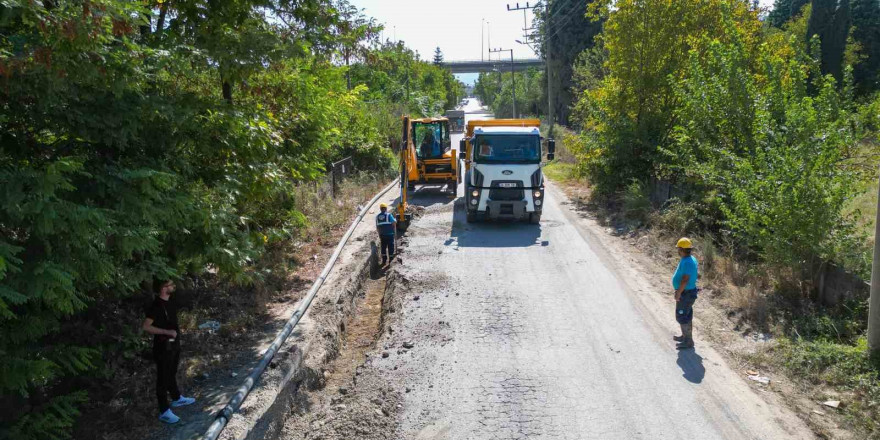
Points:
(456, 120)
(429, 156)
(503, 177)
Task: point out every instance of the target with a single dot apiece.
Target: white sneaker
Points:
(169, 417)
(183, 401)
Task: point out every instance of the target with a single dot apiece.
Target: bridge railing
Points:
(515, 60)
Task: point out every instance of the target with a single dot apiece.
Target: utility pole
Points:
(512, 76)
(874, 303)
(524, 9)
(482, 39)
(489, 39)
(526, 36)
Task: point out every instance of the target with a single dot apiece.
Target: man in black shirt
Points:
(161, 322)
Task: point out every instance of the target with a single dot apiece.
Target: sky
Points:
(454, 26)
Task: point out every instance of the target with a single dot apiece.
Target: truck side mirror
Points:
(551, 147)
(462, 149)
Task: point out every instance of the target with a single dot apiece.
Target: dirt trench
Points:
(350, 398)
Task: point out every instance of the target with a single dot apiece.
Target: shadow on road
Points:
(427, 196)
(492, 234)
(691, 365)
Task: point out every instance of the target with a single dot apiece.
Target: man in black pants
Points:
(385, 226)
(162, 323)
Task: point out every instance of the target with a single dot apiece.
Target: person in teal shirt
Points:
(684, 281)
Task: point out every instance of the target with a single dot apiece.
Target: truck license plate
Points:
(507, 185)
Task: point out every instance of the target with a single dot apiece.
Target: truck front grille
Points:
(497, 193)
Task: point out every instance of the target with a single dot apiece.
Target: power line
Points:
(561, 25)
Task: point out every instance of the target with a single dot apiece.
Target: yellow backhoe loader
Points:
(427, 155)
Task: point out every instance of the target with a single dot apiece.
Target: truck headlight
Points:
(537, 194)
(475, 193)
(474, 201)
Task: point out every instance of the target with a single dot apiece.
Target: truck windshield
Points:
(507, 148)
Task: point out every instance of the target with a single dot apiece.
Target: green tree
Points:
(773, 155)
(438, 56)
(830, 22)
(634, 110)
(842, 26)
(141, 143)
(563, 32)
(494, 90)
(866, 33)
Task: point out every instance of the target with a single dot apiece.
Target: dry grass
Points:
(326, 213)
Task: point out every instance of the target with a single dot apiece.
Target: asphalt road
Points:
(532, 331)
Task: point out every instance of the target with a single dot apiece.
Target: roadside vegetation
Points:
(148, 140)
(759, 137)
(495, 90)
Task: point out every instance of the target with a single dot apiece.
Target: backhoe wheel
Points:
(471, 217)
(535, 218)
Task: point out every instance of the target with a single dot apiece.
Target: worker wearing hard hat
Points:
(685, 284)
(385, 226)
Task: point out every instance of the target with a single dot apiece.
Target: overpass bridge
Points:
(476, 66)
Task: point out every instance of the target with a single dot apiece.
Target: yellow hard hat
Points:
(684, 243)
(383, 205)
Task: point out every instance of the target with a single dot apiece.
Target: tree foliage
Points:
(633, 112)
(146, 140)
(495, 89)
(842, 26)
(740, 118)
(563, 31)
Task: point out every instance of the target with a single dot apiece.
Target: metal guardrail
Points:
(473, 66)
(525, 60)
(238, 398)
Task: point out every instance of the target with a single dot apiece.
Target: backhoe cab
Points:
(427, 156)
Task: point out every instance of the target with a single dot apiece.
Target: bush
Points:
(636, 205)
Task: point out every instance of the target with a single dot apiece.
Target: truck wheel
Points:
(471, 217)
(535, 218)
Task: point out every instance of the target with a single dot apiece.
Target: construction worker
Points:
(684, 281)
(385, 227)
(427, 148)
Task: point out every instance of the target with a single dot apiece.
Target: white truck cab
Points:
(503, 162)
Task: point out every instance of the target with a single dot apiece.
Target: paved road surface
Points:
(543, 338)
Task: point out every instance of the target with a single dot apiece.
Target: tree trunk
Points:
(830, 22)
(347, 69)
(160, 24)
(227, 91)
(145, 29)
